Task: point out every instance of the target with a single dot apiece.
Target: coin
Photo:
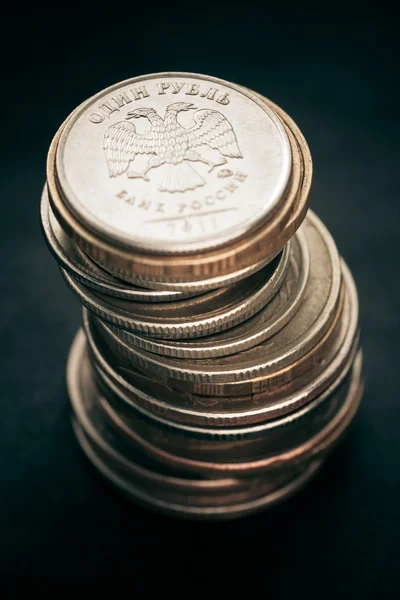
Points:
(88, 415)
(322, 440)
(313, 449)
(143, 471)
(157, 504)
(210, 312)
(186, 490)
(237, 410)
(277, 393)
(229, 444)
(210, 495)
(141, 164)
(192, 287)
(73, 260)
(84, 269)
(266, 241)
(219, 361)
(234, 374)
(289, 278)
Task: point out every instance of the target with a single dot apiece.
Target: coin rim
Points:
(189, 351)
(199, 326)
(194, 267)
(169, 370)
(100, 229)
(90, 278)
(317, 446)
(194, 512)
(209, 416)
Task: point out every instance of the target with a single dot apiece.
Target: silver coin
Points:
(290, 282)
(173, 162)
(306, 328)
(213, 311)
(73, 260)
(231, 411)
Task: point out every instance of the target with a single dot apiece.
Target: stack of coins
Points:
(219, 360)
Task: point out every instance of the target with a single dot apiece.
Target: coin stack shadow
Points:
(222, 395)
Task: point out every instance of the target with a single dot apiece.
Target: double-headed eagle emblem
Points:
(170, 144)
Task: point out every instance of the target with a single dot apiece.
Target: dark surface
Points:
(333, 71)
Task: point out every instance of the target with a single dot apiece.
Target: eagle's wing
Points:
(121, 144)
(214, 130)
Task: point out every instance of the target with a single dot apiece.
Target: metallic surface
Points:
(310, 323)
(208, 313)
(289, 279)
(234, 443)
(314, 448)
(192, 287)
(183, 203)
(154, 502)
(231, 411)
(219, 361)
(265, 241)
(71, 258)
(124, 456)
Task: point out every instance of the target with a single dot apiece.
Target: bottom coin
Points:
(221, 512)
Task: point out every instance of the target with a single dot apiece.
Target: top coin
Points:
(173, 163)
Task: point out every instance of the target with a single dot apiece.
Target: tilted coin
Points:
(237, 410)
(290, 280)
(142, 162)
(74, 261)
(265, 241)
(194, 317)
(235, 374)
(154, 502)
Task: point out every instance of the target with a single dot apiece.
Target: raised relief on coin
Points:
(169, 143)
(173, 162)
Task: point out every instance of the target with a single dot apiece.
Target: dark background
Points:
(332, 69)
